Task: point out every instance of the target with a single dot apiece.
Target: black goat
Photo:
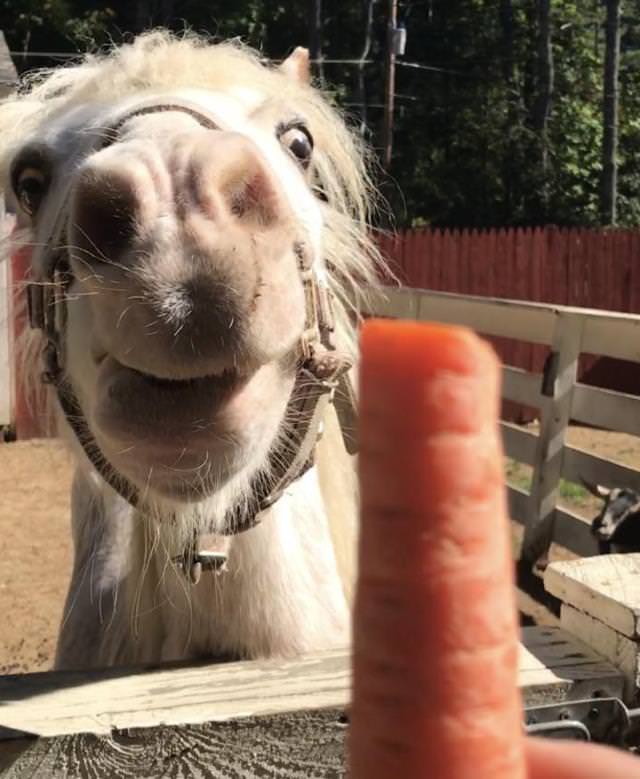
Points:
(617, 526)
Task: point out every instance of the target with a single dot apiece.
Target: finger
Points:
(547, 759)
(435, 645)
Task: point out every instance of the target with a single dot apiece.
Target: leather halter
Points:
(320, 367)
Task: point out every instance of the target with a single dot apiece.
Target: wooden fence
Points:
(571, 267)
(288, 717)
(557, 395)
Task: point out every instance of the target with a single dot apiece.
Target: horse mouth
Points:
(134, 402)
(212, 384)
(226, 381)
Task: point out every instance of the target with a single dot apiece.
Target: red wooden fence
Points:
(574, 267)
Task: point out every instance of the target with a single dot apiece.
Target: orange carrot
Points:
(436, 640)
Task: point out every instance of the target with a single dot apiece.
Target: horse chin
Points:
(187, 439)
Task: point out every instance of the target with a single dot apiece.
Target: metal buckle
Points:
(194, 566)
(604, 720)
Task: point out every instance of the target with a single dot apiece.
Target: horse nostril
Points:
(252, 197)
(103, 215)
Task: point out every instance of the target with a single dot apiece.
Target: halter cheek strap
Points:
(321, 368)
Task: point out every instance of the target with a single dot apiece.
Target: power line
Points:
(45, 54)
(433, 68)
(72, 55)
(329, 61)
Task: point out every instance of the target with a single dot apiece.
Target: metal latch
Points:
(605, 720)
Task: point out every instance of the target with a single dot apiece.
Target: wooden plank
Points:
(576, 268)
(103, 701)
(519, 504)
(555, 416)
(594, 291)
(573, 532)
(605, 587)
(605, 332)
(555, 666)
(290, 746)
(410, 258)
(611, 334)
(606, 408)
(6, 363)
(521, 386)
(634, 286)
(519, 444)
(579, 464)
(463, 286)
(537, 261)
(98, 702)
(620, 651)
(435, 258)
(557, 276)
(204, 721)
(491, 316)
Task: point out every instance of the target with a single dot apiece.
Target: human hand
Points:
(436, 632)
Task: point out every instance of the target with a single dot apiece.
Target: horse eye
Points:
(299, 142)
(30, 188)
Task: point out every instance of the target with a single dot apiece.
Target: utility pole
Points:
(390, 85)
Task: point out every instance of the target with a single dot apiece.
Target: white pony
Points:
(199, 250)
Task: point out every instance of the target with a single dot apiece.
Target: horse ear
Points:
(296, 66)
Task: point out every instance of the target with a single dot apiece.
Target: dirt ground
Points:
(35, 551)
(35, 544)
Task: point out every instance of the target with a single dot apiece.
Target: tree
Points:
(315, 37)
(542, 103)
(499, 123)
(510, 167)
(610, 114)
(361, 88)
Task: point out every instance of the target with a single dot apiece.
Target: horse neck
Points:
(283, 594)
(286, 590)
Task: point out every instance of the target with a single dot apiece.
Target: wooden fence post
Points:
(559, 380)
(6, 357)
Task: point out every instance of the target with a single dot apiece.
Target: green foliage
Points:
(467, 148)
(572, 492)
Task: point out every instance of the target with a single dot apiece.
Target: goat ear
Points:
(296, 66)
(596, 489)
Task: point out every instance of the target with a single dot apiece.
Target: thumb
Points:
(436, 640)
(548, 759)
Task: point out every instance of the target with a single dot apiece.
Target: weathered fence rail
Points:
(237, 720)
(555, 392)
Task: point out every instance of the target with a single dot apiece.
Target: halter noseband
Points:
(320, 367)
